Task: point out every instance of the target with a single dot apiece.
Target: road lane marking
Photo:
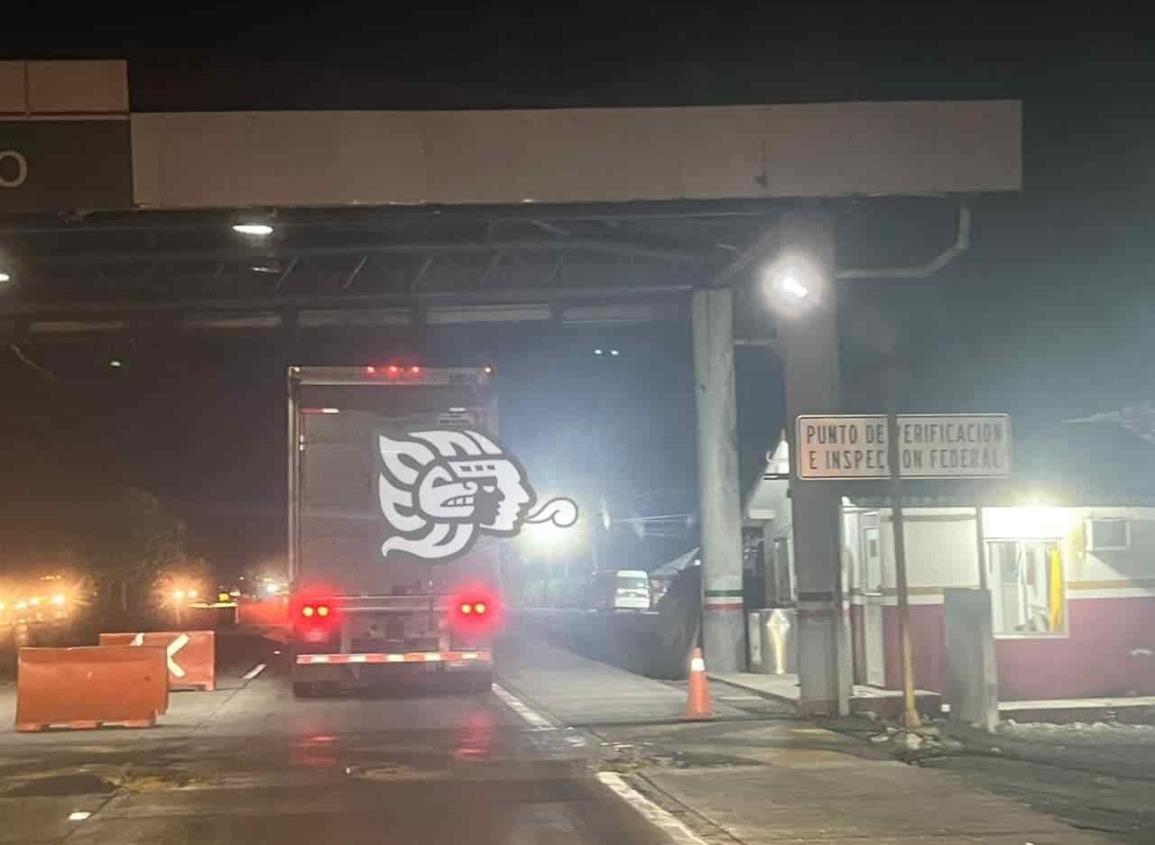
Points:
(252, 673)
(669, 824)
(531, 717)
(664, 820)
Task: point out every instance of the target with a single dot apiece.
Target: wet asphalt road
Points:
(250, 764)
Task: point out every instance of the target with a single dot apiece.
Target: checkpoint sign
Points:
(930, 446)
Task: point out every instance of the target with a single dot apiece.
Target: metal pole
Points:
(910, 717)
(293, 469)
(723, 627)
(981, 548)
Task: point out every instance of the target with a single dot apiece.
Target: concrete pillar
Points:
(972, 677)
(718, 496)
(808, 340)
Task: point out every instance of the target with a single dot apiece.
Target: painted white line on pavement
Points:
(528, 715)
(252, 673)
(651, 812)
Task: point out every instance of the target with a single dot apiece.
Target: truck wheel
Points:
(304, 689)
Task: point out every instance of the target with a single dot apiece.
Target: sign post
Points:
(898, 447)
(910, 717)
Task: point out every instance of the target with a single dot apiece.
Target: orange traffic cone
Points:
(698, 705)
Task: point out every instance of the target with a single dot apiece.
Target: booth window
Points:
(1027, 587)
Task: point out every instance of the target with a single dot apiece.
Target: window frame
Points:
(995, 584)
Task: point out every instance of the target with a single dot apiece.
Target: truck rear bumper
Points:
(450, 658)
(371, 669)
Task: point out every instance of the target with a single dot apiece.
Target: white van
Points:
(621, 589)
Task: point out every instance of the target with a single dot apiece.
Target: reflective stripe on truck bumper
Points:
(404, 657)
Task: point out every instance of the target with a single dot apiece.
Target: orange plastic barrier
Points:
(90, 687)
(190, 655)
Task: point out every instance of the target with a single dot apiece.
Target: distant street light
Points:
(615, 352)
(599, 352)
(5, 277)
(115, 363)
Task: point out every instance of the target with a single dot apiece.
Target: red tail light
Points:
(314, 612)
(475, 609)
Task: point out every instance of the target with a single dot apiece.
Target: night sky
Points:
(1049, 317)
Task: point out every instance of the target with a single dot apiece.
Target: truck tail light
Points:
(474, 610)
(316, 611)
(313, 613)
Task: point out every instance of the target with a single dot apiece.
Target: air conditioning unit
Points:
(1108, 535)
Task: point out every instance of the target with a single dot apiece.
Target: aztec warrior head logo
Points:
(440, 490)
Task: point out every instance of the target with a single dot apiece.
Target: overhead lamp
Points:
(792, 284)
(256, 230)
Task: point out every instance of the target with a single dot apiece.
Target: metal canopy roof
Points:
(336, 268)
(146, 261)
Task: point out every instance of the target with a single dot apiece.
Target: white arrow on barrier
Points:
(176, 645)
